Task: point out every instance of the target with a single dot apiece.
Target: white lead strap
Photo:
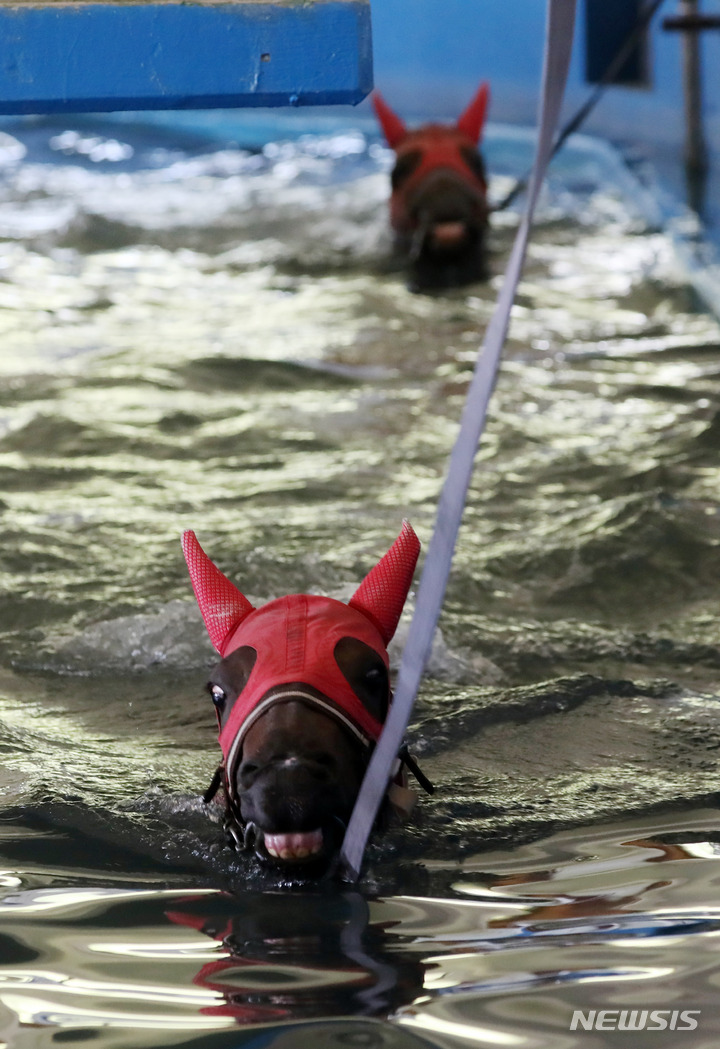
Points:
(560, 23)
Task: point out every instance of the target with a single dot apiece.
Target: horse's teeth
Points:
(295, 846)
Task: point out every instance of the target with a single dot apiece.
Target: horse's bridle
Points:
(239, 833)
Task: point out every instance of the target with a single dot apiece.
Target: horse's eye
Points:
(406, 164)
(218, 696)
(376, 681)
(474, 161)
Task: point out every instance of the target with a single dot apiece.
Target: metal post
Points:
(695, 149)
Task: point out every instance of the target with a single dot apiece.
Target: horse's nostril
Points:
(247, 772)
(323, 767)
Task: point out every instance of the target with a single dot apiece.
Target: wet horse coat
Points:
(301, 694)
(438, 204)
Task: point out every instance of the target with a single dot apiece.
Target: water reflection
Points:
(570, 922)
(286, 955)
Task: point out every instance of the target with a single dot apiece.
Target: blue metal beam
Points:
(64, 56)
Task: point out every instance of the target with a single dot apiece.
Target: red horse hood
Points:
(295, 636)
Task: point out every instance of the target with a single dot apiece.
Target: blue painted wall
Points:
(430, 54)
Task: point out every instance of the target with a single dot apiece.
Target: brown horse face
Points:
(439, 211)
(438, 205)
(299, 769)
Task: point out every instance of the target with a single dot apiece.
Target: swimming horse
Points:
(438, 204)
(301, 693)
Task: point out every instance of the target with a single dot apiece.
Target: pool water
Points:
(202, 335)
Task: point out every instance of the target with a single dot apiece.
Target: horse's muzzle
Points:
(294, 788)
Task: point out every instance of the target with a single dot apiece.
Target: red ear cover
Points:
(391, 124)
(222, 605)
(382, 593)
(472, 120)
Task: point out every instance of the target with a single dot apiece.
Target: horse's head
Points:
(438, 203)
(301, 693)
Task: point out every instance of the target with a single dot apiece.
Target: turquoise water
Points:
(200, 335)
